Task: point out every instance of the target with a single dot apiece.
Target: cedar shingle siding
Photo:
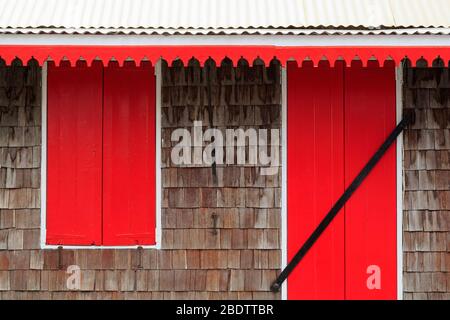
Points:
(426, 215)
(223, 222)
(221, 227)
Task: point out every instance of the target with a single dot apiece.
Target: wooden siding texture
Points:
(426, 214)
(220, 228)
(240, 257)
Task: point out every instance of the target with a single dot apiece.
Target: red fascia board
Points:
(218, 52)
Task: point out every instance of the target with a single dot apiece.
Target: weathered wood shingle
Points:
(220, 237)
(426, 217)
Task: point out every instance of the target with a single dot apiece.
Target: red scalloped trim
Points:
(218, 53)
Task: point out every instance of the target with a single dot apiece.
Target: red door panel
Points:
(370, 214)
(315, 170)
(337, 118)
(74, 178)
(129, 156)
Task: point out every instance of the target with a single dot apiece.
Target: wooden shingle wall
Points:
(220, 227)
(20, 156)
(426, 215)
(227, 218)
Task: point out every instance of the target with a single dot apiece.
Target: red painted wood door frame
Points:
(336, 119)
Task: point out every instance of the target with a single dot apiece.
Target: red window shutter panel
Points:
(315, 166)
(129, 209)
(74, 167)
(370, 214)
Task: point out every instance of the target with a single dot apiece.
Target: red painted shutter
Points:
(74, 116)
(315, 178)
(370, 215)
(129, 209)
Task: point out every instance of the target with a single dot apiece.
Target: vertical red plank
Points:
(370, 238)
(74, 117)
(315, 170)
(129, 209)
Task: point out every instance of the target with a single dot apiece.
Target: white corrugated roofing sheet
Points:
(225, 16)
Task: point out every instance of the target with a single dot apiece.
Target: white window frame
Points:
(158, 189)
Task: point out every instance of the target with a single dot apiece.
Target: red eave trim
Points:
(202, 53)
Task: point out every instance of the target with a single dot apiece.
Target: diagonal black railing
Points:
(407, 119)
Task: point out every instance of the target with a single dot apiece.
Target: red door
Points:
(337, 118)
(370, 214)
(315, 178)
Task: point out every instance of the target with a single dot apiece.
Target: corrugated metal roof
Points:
(225, 16)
